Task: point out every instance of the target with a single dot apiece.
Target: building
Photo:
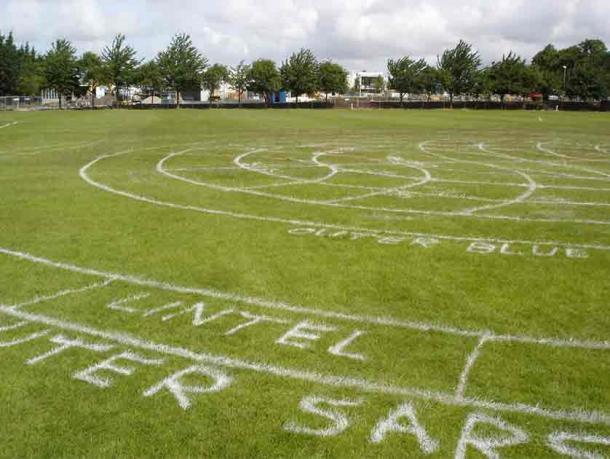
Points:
(366, 82)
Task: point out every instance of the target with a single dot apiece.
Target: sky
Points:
(359, 34)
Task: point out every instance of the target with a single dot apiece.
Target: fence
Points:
(603, 106)
(37, 103)
(20, 102)
(246, 105)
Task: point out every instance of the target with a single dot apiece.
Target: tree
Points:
(582, 70)
(406, 75)
(509, 76)
(429, 81)
(60, 68)
(119, 64)
(239, 79)
(379, 84)
(482, 84)
(300, 73)
(588, 66)
(31, 79)
(181, 65)
(547, 65)
(10, 61)
(92, 72)
(458, 68)
(148, 78)
(264, 78)
(213, 77)
(333, 78)
(356, 86)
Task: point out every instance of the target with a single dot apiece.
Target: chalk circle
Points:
(330, 165)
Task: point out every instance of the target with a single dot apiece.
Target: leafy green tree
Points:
(406, 75)
(581, 71)
(379, 84)
(482, 86)
(589, 66)
(92, 72)
(587, 82)
(148, 77)
(120, 62)
(333, 79)
(510, 76)
(429, 81)
(61, 69)
(31, 79)
(264, 78)
(10, 61)
(181, 65)
(547, 65)
(213, 77)
(300, 73)
(239, 79)
(458, 69)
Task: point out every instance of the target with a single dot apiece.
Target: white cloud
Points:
(358, 33)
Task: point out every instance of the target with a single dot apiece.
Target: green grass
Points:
(282, 233)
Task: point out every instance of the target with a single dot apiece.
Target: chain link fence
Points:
(20, 102)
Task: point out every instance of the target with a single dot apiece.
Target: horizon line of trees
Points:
(581, 71)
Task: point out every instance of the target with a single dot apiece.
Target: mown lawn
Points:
(313, 283)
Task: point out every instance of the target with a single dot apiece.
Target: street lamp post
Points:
(565, 70)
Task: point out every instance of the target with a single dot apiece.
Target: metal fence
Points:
(20, 102)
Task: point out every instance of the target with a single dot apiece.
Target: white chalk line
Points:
(426, 177)
(238, 161)
(15, 326)
(297, 309)
(364, 385)
(38, 150)
(60, 294)
(531, 188)
(482, 147)
(470, 361)
(13, 123)
(84, 175)
(543, 149)
(542, 201)
(383, 191)
(513, 184)
(160, 167)
(532, 185)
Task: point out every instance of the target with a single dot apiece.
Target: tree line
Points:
(582, 71)
(579, 71)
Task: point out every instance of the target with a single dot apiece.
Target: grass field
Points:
(295, 283)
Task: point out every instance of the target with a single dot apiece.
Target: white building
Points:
(367, 81)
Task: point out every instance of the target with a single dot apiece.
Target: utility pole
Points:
(359, 89)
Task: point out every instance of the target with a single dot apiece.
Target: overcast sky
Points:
(360, 34)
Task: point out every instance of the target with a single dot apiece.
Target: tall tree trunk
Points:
(326, 98)
(59, 101)
(450, 100)
(401, 96)
(177, 98)
(92, 98)
(239, 98)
